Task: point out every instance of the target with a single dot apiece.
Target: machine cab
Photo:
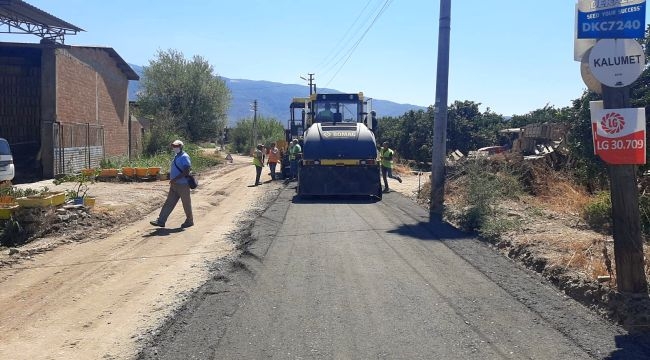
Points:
(337, 108)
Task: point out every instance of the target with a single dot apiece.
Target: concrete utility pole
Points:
(439, 152)
(628, 244)
(311, 83)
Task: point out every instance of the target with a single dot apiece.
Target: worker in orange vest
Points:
(273, 159)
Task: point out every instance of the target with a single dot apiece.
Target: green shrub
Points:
(598, 212)
(16, 192)
(487, 184)
(493, 227)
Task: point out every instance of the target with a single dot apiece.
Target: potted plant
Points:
(106, 173)
(7, 195)
(88, 172)
(88, 201)
(7, 209)
(141, 171)
(43, 198)
(108, 169)
(154, 170)
(79, 191)
(128, 170)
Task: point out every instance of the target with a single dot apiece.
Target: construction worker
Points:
(295, 154)
(273, 159)
(386, 155)
(258, 161)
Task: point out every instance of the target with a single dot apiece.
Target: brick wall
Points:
(92, 89)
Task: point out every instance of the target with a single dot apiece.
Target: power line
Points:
(343, 43)
(384, 7)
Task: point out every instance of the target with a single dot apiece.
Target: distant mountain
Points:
(273, 98)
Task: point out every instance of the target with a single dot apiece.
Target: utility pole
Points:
(254, 129)
(628, 244)
(311, 83)
(439, 150)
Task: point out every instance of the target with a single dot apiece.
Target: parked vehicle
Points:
(7, 170)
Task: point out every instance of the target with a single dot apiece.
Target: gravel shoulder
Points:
(98, 291)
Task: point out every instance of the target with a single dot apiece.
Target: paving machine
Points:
(339, 151)
(298, 118)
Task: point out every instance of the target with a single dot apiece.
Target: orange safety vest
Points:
(274, 155)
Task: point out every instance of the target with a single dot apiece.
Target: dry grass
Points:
(565, 197)
(552, 227)
(401, 169)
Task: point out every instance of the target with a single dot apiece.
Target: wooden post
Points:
(628, 245)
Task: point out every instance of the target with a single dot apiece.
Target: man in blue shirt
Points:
(178, 187)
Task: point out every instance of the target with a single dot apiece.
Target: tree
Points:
(268, 130)
(185, 95)
(469, 129)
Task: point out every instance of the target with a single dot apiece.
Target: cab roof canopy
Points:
(18, 17)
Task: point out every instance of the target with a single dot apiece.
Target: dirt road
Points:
(96, 298)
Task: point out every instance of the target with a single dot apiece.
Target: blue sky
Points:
(512, 56)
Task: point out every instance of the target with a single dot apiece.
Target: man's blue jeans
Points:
(294, 168)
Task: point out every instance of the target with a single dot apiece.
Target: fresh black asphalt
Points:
(359, 279)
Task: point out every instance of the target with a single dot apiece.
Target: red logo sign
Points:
(613, 123)
(619, 136)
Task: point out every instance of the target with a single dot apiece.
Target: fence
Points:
(77, 146)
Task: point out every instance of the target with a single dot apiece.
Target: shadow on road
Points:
(162, 232)
(634, 346)
(333, 199)
(440, 231)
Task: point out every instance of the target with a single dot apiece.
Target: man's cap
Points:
(385, 143)
(177, 143)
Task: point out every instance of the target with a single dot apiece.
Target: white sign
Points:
(617, 62)
(619, 135)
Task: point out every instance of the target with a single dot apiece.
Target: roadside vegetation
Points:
(265, 130)
(485, 184)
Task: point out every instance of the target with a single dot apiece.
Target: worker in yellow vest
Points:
(295, 154)
(387, 165)
(258, 161)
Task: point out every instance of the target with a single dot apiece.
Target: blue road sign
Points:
(611, 19)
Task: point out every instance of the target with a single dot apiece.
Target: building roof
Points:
(121, 64)
(22, 18)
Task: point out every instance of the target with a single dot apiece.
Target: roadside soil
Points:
(97, 287)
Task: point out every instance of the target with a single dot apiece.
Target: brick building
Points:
(63, 108)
